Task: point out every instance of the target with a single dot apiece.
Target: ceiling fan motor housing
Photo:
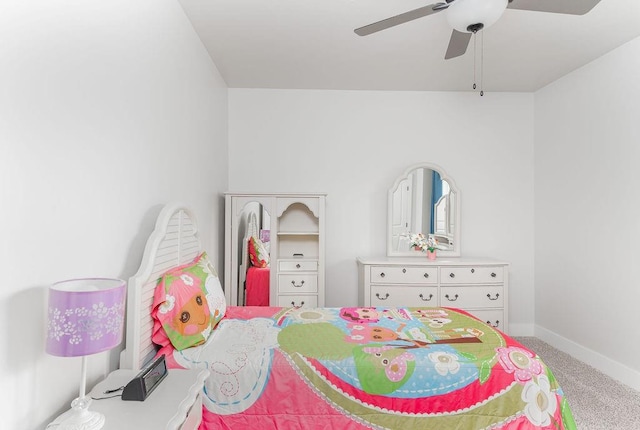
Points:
(470, 16)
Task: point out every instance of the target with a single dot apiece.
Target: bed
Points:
(343, 368)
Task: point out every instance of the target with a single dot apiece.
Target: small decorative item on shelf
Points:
(423, 243)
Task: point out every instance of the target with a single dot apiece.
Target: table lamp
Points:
(86, 316)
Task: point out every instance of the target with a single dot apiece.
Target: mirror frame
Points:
(455, 252)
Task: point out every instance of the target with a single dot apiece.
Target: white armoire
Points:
(292, 228)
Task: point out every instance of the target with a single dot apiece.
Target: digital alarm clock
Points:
(146, 381)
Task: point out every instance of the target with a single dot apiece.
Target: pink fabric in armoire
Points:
(257, 286)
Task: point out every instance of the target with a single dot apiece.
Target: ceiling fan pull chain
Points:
(474, 59)
(482, 65)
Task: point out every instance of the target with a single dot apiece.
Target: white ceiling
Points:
(310, 44)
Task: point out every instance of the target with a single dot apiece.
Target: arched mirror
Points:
(250, 235)
(423, 200)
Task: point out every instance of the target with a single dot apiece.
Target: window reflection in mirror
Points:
(423, 201)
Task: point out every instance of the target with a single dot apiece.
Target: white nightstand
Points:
(175, 404)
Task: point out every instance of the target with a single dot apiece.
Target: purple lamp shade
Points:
(86, 316)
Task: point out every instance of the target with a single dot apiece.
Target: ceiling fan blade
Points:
(571, 7)
(457, 44)
(401, 19)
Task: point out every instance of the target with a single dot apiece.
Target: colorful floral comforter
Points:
(356, 368)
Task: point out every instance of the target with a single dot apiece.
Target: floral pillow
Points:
(258, 253)
(188, 303)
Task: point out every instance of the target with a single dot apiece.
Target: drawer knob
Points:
(496, 298)
(298, 266)
(493, 274)
(382, 275)
(386, 296)
(294, 304)
(297, 286)
(497, 324)
(404, 270)
(450, 299)
(426, 275)
(452, 275)
(428, 299)
(473, 270)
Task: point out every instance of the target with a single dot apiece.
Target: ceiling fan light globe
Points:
(463, 13)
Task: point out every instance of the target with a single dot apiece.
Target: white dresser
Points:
(478, 286)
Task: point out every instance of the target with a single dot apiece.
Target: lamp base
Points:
(79, 417)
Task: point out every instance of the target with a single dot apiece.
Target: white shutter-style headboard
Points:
(173, 242)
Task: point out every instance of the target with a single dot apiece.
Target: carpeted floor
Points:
(598, 402)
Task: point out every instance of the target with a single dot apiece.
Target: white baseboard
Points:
(609, 367)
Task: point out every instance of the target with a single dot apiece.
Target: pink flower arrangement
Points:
(422, 242)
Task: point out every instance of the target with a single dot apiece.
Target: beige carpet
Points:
(598, 402)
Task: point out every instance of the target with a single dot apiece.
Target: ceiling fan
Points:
(467, 17)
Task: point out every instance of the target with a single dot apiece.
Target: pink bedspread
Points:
(355, 368)
(257, 286)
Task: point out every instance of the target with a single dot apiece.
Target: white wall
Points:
(587, 229)
(353, 145)
(107, 111)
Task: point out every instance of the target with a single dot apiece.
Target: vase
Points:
(431, 255)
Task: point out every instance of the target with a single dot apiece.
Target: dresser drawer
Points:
(471, 275)
(298, 301)
(493, 317)
(404, 275)
(409, 296)
(472, 297)
(297, 283)
(298, 265)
